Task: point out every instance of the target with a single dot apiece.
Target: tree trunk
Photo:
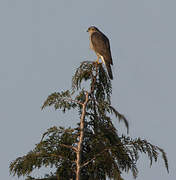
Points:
(81, 137)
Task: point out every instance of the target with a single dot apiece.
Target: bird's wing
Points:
(101, 45)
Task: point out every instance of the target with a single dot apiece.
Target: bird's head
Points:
(92, 29)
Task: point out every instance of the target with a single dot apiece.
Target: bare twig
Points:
(38, 154)
(72, 100)
(98, 154)
(69, 147)
(84, 164)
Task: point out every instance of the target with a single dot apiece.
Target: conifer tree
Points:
(94, 150)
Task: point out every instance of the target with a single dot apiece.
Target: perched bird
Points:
(100, 44)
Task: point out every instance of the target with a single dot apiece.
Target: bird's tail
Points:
(108, 66)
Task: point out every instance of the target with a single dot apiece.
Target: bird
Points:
(100, 44)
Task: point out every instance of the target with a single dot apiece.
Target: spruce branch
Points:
(61, 101)
(120, 116)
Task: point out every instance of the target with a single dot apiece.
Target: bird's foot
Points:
(97, 61)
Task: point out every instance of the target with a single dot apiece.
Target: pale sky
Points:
(42, 42)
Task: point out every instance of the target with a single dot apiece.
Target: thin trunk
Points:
(81, 137)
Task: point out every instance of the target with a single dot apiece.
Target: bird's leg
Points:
(97, 60)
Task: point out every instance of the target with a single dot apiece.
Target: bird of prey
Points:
(100, 44)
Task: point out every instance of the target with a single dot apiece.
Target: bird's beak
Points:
(87, 30)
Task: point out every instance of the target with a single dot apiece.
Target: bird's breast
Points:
(91, 45)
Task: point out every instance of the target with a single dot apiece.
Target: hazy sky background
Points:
(42, 42)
